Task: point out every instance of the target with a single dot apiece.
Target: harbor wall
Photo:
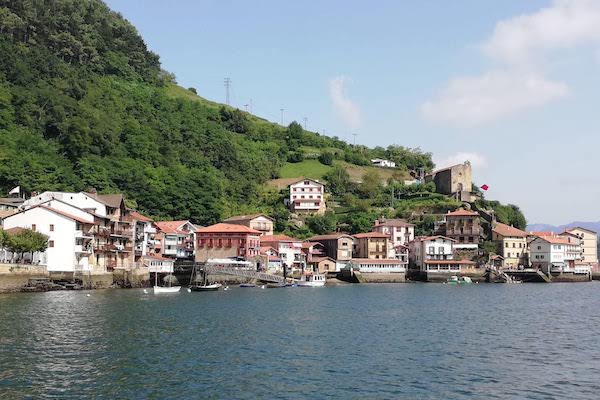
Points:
(14, 276)
(373, 277)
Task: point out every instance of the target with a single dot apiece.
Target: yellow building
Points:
(512, 245)
(372, 245)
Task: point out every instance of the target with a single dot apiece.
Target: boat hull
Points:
(161, 289)
(207, 288)
(310, 284)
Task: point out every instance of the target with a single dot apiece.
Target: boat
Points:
(456, 280)
(314, 280)
(276, 285)
(205, 288)
(195, 285)
(247, 285)
(164, 289)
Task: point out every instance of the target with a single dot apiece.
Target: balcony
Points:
(79, 234)
(121, 232)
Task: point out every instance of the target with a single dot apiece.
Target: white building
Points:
(431, 248)
(80, 200)
(158, 264)
(548, 253)
(69, 234)
(307, 196)
(176, 238)
(368, 265)
(379, 162)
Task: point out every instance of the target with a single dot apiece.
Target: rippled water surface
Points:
(426, 341)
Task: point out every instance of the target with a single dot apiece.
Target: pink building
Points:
(227, 240)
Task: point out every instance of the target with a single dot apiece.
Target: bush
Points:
(326, 158)
(295, 157)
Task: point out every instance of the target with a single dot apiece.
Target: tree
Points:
(320, 224)
(26, 241)
(193, 90)
(326, 158)
(338, 180)
(371, 183)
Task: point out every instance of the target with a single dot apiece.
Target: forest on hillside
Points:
(84, 103)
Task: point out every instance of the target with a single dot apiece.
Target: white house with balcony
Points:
(307, 196)
(177, 238)
(68, 231)
(80, 200)
(401, 233)
(424, 250)
(548, 253)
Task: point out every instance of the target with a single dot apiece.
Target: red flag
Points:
(485, 187)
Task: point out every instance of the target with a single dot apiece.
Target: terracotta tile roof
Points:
(246, 217)
(463, 213)
(264, 249)
(227, 228)
(319, 259)
(555, 239)
(171, 226)
(393, 222)
(377, 261)
(306, 179)
(541, 233)
(139, 217)
(14, 231)
(157, 257)
(329, 236)
(277, 238)
(371, 235)
(507, 230)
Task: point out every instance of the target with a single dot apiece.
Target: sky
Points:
(511, 86)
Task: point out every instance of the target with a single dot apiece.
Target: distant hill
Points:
(594, 226)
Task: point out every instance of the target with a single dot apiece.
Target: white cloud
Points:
(521, 45)
(477, 160)
(566, 23)
(477, 99)
(348, 110)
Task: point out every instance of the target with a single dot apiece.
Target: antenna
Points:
(282, 110)
(355, 135)
(227, 85)
(246, 107)
(305, 120)
(250, 105)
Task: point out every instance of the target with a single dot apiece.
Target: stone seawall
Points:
(372, 277)
(14, 276)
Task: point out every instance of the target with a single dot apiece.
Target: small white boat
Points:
(314, 280)
(166, 289)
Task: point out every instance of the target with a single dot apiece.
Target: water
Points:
(425, 341)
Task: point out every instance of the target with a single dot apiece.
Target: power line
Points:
(227, 85)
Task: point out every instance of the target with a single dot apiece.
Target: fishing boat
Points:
(205, 288)
(164, 289)
(314, 280)
(195, 286)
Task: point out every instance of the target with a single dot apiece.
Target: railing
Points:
(246, 273)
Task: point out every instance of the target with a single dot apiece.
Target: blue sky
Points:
(512, 85)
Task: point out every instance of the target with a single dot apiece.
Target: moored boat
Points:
(166, 289)
(247, 285)
(205, 288)
(314, 280)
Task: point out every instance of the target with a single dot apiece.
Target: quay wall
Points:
(14, 276)
(373, 277)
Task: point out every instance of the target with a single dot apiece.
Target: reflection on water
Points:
(354, 341)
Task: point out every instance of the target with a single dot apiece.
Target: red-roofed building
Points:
(307, 196)
(372, 245)
(423, 250)
(463, 226)
(176, 239)
(552, 253)
(260, 222)
(511, 244)
(227, 240)
(144, 235)
(289, 249)
(400, 231)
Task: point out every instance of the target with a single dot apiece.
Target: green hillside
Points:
(83, 103)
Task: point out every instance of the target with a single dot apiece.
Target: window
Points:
(506, 244)
(50, 243)
(514, 245)
(51, 227)
(33, 227)
(306, 182)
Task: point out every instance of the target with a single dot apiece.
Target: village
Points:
(95, 240)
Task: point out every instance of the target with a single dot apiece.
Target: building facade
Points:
(307, 196)
(372, 245)
(337, 246)
(221, 241)
(259, 222)
(177, 239)
(453, 181)
(589, 245)
(289, 250)
(401, 232)
(511, 244)
(463, 226)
